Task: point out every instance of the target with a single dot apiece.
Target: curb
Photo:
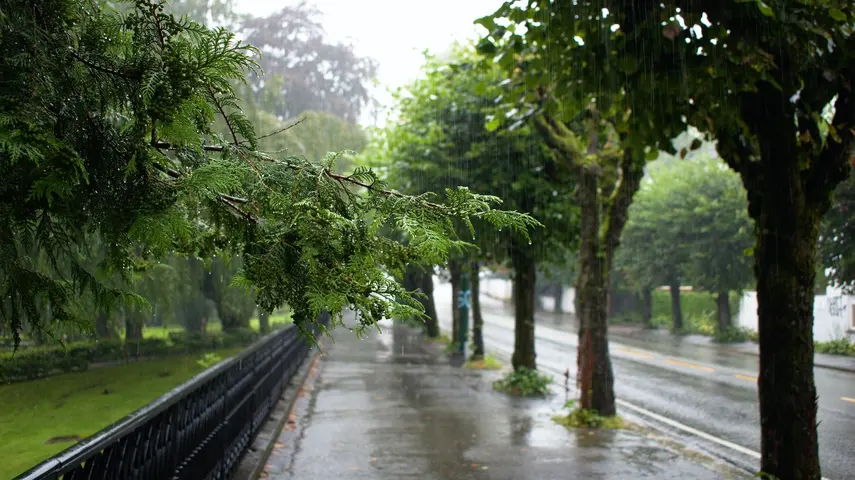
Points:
(254, 460)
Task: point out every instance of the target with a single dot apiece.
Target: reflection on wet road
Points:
(390, 408)
(706, 391)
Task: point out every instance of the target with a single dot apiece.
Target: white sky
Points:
(392, 32)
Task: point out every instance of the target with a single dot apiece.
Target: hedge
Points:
(37, 362)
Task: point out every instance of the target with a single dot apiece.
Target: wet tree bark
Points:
(676, 308)
(525, 273)
(102, 326)
(647, 307)
(263, 321)
(426, 286)
(477, 317)
(789, 190)
(454, 271)
(596, 382)
(134, 325)
(605, 188)
(722, 306)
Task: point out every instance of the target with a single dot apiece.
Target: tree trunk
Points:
(477, 318)
(525, 274)
(559, 298)
(647, 308)
(134, 325)
(454, 271)
(722, 306)
(596, 379)
(102, 326)
(676, 308)
(426, 286)
(789, 190)
(263, 321)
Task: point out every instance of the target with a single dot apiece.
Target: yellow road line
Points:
(689, 365)
(637, 354)
(745, 377)
(847, 399)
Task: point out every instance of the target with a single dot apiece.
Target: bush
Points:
(699, 312)
(587, 418)
(840, 346)
(733, 335)
(524, 382)
(37, 362)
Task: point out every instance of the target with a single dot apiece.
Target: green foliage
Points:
(137, 161)
(209, 360)
(487, 362)
(840, 346)
(733, 334)
(699, 311)
(38, 362)
(586, 418)
(440, 140)
(524, 382)
(837, 238)
(689, 221)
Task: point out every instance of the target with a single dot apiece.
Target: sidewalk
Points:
(391, 407)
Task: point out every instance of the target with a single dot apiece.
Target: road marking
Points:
(847, 399)
(745, 377)
(633, 352)
(667, 421)
(506, 354)
(689, 365)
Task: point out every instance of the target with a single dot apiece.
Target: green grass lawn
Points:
(80, 404)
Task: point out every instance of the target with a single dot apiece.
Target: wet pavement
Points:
(709, 390)
(391, 407)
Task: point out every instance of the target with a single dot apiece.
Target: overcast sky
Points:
(393, 32)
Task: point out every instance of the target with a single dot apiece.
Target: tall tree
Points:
(304, 69)
(691, 217)
(131, 160)
(441, 140)
(586, 128)
(755, 75)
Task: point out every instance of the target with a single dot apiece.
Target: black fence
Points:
(198, 431)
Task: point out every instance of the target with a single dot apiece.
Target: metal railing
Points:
(199, 430)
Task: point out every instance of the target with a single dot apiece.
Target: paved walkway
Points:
(391, 407)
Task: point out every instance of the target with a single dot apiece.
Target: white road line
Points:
(667, 421)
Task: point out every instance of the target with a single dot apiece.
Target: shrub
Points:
(37, 362)
(733, 334)
(524, 382)
(840, 346)
(587, 418)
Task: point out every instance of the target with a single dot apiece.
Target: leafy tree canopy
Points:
(440, 139)
(690, 221)
(105, 127)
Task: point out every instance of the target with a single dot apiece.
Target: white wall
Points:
(832, 314)
(500, 288)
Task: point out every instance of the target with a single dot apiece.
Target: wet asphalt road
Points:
(700, 388)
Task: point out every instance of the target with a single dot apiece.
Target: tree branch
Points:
(833, 164)
(277, 132)
(617, 210)
(101, 69)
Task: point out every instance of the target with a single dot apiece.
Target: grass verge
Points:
(488, 362)
(40, 418)
(586, 418)
(524, 382)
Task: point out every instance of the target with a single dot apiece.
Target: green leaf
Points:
(837, 14)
